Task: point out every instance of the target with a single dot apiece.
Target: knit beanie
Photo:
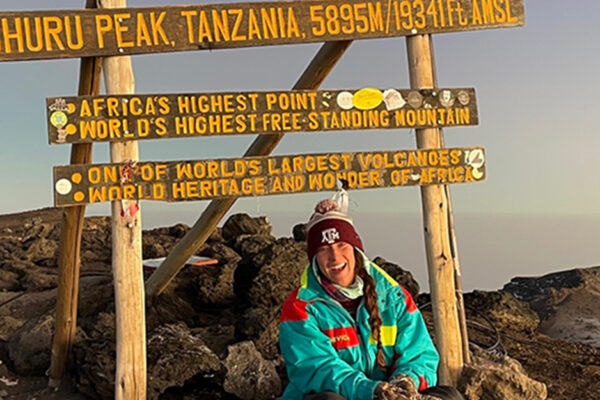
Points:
(329, 225)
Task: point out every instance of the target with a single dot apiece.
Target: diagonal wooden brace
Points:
(70, 239)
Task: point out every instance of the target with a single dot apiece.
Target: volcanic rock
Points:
(216, 337)
(299, 232)
(94, 355)
(502, 308)
(8, 325)
(176, 355)
(9, 281)
(243, 224)
(568, 303)
(42, 249)
(498, 378)
(280, 267)
(250, 245)
(249, 376)
(29, 346)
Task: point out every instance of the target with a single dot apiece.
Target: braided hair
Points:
(375, 320)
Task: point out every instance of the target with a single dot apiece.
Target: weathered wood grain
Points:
(78, 33)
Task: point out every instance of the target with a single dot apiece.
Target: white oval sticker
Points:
(63, 186)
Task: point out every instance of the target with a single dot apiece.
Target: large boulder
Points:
(502, 309)
(8, 325)
(250, 245)
(568, 303)
(261, 325)
(299, 232)
(217, 337)
(175, 355)
(42, 250)
(249, 376)
(280, 266)
(94, 354)
(243, 224)
(96, 243)
(214, 284)
(29, 346)
(491, 377)
(9, 281)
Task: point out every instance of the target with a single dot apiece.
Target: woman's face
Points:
(336, 261)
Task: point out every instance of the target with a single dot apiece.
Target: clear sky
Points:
(538, 94)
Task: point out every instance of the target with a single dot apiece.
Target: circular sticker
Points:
(415, 99)
(344, 100)
(477, 174)
(367, 98)
(463, 97)
(58, 119)
(446, 98)
(476, 158)
(63, 186)
(393, 99)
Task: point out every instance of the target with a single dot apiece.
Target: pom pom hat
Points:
(329, 225)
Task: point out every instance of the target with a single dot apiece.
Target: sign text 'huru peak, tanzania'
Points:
(79, 33)
(133, 117)
(254, 176)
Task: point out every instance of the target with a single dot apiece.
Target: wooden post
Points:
(70, 241)
(130, 377)
(313, 76)
(460, 303)
(437, 230)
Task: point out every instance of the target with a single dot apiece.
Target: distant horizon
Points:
(493, 249)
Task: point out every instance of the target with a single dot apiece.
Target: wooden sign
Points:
(103, 32)
(260, 176)
(119, 118)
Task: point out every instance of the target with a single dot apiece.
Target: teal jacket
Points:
(325, 349)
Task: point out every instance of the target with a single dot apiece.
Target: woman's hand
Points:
(406, 385)
(388, 391)
(400, 387)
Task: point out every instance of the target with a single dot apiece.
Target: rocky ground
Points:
(213, 334)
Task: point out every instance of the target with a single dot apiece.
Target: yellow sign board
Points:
(135, 117)
(259, 176)
(97, 32)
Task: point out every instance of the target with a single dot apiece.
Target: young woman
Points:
(350, 331)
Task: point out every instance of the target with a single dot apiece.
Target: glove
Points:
(386, 391)
(406, 385)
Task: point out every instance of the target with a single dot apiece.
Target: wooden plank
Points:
(259, 176)
(437, 229)
(69, 254)
(79, 33)
(126, 232)
(122, 118)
